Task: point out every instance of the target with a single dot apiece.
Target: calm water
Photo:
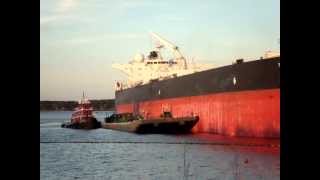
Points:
(108, 154)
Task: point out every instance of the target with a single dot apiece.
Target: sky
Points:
(80, 39)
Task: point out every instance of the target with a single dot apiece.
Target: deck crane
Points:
(165, 43)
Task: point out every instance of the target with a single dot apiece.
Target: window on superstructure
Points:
(153, 55)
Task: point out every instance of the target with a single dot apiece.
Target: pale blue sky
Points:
(80, 39)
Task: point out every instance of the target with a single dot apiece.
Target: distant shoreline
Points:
(98, 105)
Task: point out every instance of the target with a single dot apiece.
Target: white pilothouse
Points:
(141, 70)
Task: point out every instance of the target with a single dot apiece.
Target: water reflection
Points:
(108, 154)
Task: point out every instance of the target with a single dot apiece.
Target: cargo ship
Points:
(82, 117)
(240, 99)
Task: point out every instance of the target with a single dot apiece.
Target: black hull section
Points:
(167, 128)
(94, 124)
(180, 125)
(253, 75)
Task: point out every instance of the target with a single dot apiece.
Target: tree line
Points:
(98, 105)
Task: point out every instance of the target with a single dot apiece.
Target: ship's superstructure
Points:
(141, 70)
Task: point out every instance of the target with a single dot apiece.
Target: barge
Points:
(165, 124)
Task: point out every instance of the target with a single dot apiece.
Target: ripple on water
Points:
(145, 160)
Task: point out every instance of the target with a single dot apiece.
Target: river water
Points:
(108, 154)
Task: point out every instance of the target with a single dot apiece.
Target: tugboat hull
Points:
(92, 124)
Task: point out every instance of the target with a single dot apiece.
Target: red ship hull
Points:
(247, 113)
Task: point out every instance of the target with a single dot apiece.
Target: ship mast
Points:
(82, 100)
(177, 54)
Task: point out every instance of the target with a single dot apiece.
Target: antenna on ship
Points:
(83, 96)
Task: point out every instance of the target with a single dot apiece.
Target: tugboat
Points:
(82, 117)
(165, 124)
